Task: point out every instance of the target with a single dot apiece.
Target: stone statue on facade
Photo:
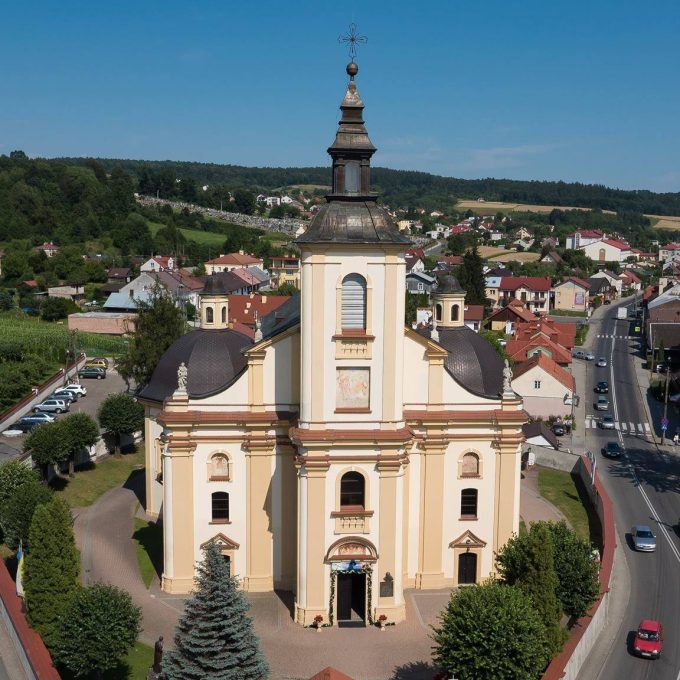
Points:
(182, 376)
(507, 378)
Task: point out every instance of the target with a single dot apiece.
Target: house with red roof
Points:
(506, 318)
(245, 309)
(607, 250)
(583, 237)
(630, 279)
(546, 388)
(560, 332)
(521, 350)
(571, 295)
(473, 316)
(158, 263)
(448, 262)
(230, 261)
(669, 251)
(532, 291)
(48, 248)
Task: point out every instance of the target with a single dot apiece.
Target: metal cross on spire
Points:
(352, 40)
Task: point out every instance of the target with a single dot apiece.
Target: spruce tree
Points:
(52, 568)
(215, 639)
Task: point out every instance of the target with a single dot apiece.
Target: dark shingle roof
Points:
(214, 360)
(472, 361)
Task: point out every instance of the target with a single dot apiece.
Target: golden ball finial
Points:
(352, 69)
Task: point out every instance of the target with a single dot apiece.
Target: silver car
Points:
(589, 356)
(602, 404)
(602, 362)
(52, 406)
(643, 538)
(607, 422)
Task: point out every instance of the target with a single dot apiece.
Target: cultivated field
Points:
(666, 221)
(509, 256)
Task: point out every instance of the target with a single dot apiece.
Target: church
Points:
(337, 455)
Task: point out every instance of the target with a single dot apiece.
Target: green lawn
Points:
(89, 484)
(148, 539)
(560, 489)
(134, 666)
(212, 238)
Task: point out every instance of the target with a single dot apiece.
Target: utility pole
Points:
(665, 408)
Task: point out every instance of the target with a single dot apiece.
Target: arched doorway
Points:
(467, 568)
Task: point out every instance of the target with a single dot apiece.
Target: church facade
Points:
(338, 455)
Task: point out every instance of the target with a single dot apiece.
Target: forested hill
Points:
(404, 188)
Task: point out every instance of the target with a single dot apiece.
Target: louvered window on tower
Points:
(353, 302)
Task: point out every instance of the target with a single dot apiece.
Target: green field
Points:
(560, 489)
(50, 340)
(211, 238)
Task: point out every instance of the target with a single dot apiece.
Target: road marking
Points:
(648, 430)
(632, 428)
(636, 480)
(617, 425)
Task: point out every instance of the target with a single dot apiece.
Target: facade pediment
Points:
(467, 540)
(222, 542)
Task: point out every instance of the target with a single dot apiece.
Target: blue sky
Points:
(576, 90)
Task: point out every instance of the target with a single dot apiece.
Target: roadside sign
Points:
(664, 424)
(637, 329)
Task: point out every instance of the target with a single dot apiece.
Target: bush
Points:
(53, 309)
(19, 509)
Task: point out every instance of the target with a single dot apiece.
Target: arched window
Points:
(353, 314)
(218, 467)
(468, 503)
(224, 314)
(352, 487)
(470, 467)
(602, 255)
(209, 315)
(455, 311)
(220, 507)
(438, 312)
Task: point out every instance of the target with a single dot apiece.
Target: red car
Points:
(649, 639)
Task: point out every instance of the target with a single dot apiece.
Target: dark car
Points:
(602, 387)
(606, 302)
(612, 450)
(23, 425)
(65, 395)
(559, 429)
(92, 372)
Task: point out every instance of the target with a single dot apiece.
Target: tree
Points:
(120, 414)
(286, 288)
(19, 509)
(471, 278)
(97, 630)
(48, 445)
(244, 201)
(490, 632)
(52, 568)
(527, 561)
(413, 301)
(578, 584)
(6, 300)
(79, 431)
(215, 639)
(159, 323)
(53, 309)
(12, 475)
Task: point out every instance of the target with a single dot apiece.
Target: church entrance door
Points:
(351, 589)
(467, 568)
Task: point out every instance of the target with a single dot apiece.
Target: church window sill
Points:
(219, 478)
(469, 518)
(352, 410)
(352, 512)
(349, 334)
(471, 475)
(221, 521)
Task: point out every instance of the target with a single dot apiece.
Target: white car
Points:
(80, 390)
(602, 362)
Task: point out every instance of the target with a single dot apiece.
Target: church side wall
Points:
(234, 398)
(282, 374)
(153, 463)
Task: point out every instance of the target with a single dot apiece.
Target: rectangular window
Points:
(468, 503)
(537, 384)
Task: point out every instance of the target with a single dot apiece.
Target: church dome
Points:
(214, 360)
(449, 284)
(472, 361)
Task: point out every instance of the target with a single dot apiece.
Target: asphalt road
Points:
(644, 488)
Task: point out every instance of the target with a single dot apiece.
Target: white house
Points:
(607, 250)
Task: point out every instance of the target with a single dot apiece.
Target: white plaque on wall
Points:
(352, 388)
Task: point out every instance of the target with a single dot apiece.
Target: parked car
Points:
(79, 389)
(64, 395)
(97, 363)
(606, 302)
(648, 639)
(612, 450)
(602, 387)
(602, 404)
(602, 362)
(578, 354)
(20, 427)
(52, 406)
(661, 368)
(607, 422)
(559, 429)
(590, 356)
(643, 538)
(92, 372)
(39, 417)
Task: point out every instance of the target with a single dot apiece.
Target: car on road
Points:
(648, 640)
(79, 389)
(559, 429)
(92, 372)
(612, 450)
(606, 302)
(39, 417)
(590, 356)
(52, 406)
(607, 422)
(97, 363)
(64, 395)
(602, 362)
(602, 404)
(578, 354)
(643, 538)
(602, 387)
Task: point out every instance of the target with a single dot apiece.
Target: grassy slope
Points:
(560, 489)
(148, 538)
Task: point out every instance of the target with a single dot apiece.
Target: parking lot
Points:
(97, 391)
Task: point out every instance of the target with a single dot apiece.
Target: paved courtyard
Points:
(402, 652)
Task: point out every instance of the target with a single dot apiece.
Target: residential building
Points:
(120, 275)
(448, 263)
(48, 248)
(506, 318)
(254, 277)
(669, 251)
(607, 250)
(583, 237)
(246, 309)
(537, 433)
(420, 282)
(492, 289)
(285, 269)
(546, 388)
(230, 261)
(532, 291)
(521, 350)
(571, 295)
(614, 280)
(158, 263)
(473, 315)
(630, 280)
(336, 455)
(74, 293)
(553, 257)
(600, 287)
(560, 332)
